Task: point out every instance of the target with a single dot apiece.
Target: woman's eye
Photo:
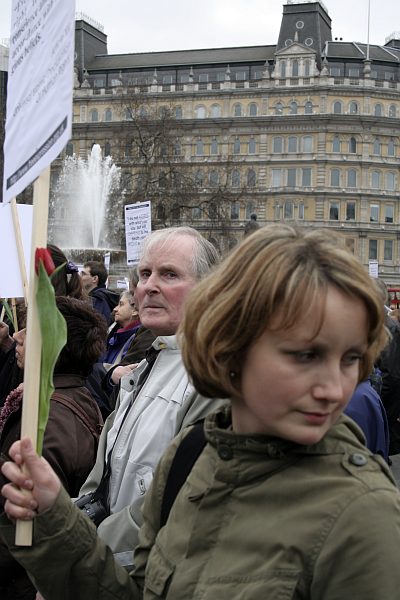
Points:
(350, 359)
(303, 356)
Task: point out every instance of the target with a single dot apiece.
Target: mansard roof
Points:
(208, 56)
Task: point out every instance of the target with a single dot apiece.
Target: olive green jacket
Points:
(257, 519)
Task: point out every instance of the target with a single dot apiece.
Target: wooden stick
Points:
(20, 248)
(33, 343)
(14, 312)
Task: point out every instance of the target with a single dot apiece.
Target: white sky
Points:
(142, 26)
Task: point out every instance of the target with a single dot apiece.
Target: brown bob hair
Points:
(273, 279)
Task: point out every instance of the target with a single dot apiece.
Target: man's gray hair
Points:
(205, 256)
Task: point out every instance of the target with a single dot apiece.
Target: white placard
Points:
(11, 285)
(373, 268)
(137, 227)
(39, 93)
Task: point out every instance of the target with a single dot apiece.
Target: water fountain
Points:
(86, 209)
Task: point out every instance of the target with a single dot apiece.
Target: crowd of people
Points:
(221, 430)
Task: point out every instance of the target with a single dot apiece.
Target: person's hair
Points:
(128, 294)
(99, 269)
(86, 336)
(134, 276)
(65, 281)
(273, 279)
(204, 257)
(382, 289)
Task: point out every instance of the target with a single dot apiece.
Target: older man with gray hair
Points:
(156, 399)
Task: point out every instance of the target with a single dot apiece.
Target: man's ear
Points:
(96, 279)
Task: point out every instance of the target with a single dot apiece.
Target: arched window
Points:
(175, 212)
(251, 178)
(237, 110)
(214, 178)
(235, 210)
(107, 149)
(215, 111)
(376, 180)
(279, 108)
(198, 178)
(94, 115)
(351, 178)
(108, 115)
(336, 144)
(69, 150)
(376, 147)
(378, 110)
(253, 109)
(352, 145)
(277, 145)
(250, 209)
(236, 146)
(353, 108)
(307, 143)
(293, 108)
(337, 107)
(200, 112)
(390, 181)
(214, 146)
(252, 146)
(178, 112)
(288, 210)
(160, 212)
(292, 144)
(335, 177)
(391, 148)
(308, 108)
(177, 148)
(392, 111)
(295, 68)
(235, 178)
(199, 147)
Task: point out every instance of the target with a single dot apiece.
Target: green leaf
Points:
(8, 312)
(54, 337)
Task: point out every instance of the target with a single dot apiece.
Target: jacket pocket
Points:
(159, 571)
(277, 584)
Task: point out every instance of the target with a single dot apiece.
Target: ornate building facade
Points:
(303, 131)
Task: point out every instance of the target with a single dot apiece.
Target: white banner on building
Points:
(11, 285)
(373, 268)
(39, 93)
(137, 227)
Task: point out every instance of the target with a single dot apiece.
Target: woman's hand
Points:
(33, 486)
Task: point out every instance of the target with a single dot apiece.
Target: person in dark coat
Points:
(66, 282)
(74, 425)
(94, 277)
(366, 409)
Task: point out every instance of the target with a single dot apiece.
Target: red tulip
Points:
(43, 255)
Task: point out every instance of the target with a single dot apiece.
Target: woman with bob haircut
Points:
(284, 500)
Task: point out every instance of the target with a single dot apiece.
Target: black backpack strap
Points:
(186, 455)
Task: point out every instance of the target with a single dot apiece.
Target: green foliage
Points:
(54, 337)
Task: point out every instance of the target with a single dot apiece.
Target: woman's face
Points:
(124, 313)
(294, 387)
(19, 338)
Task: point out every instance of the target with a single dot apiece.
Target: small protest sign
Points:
(137, 227)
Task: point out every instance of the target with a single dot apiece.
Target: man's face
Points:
(165, 279)
(89, 282)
